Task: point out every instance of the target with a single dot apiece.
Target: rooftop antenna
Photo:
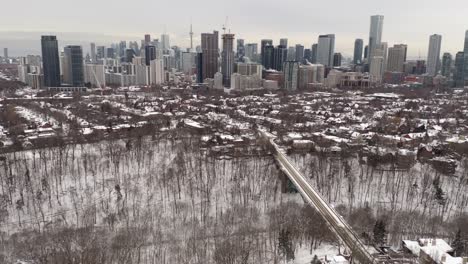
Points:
(191, 35)
(225, 25)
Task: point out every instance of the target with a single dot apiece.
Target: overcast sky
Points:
(301, 21)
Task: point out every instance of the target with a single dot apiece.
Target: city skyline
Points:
(300, 27)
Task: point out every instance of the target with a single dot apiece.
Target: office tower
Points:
(101, 52)
(459, 68)
(420, 67)
(129, 55)
(366, 52)
(263, 44)
(95, 74)
(291, 71)
(249, 69)
(313, 59)
(446, 65)
(210, 50)
(147, 39)
(165, 42)
(150, 54)
(251, 51)
(299, 53)
(156, 72)
(307, 55)
(50, 61)
(377, 67)
(337, 59)
(375, 34)
(93, 52)
(240, 48)
(433, 55)
(142, 74)
(465, 60)
(308, 74)
(199, 67)
(284, 42)
(5, 53)
(358, 46)
(122, 48)
(268, 56)
(396, 58)
(110, 53)
(291, 56)
(326, 49)
(188, 62)
(280, 54)
(74, 59)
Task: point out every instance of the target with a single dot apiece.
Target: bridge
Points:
(336, 223)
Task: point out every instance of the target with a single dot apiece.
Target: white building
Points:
(433, 56)
(165, 45)
(218, 80)
(377, 68)
(95, 74)
(156, 72)
(245, 82)
(334, 78)
(189, 62)
(396, 58)
(23, 71)
(249, 69)
(142, 74)
(310, 74)
(291, 72)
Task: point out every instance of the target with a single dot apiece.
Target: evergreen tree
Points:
(458, 245)
(315, 260)
(285, 244)
(380, 233)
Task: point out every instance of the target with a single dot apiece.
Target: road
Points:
(337, 224)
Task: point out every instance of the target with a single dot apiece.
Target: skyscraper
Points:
(268, 57)
(358, 47)
(93, 52)
(147, 39)
(165, 42)
(199, 67)
(74, 59)
(446, 64)
(459, 68)
(50, 61)
(299, 53)
(227, 59)
(326, 49)
(101, 52)
(337, 59)
(433, 55)
(5, 53)
(375, 34)
(284, 42)
(396, 58)
(264, 43)
(122, 48)
(280, 54)
(210, 50)
(465, 60)
(291, 73)
(240, 48)
(150, 54)
(313, 58)
(307, 55)
(251, 51)
(110, 53)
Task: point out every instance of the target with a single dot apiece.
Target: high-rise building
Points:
(446, 65)
(299, 53)
(240, 48)
(358, 47)
(110, 53)
(337, 59)
(309, 74)
(326, 49)
(165, 42)
(307, 55)
(291, 56)
(156, 72)
(199, 67)
(74, 59)
(313, 59)
(147, 39)
(280, 54)
(188, 62)
(122, 48)
(366, 52)
(210, 50)
(95, 74)
(227, 59)
(5, 53)
(150, 54)
(50, 61)
(264, 43)
(249, 69)
(465, 60)
(433, 55)
(268, 57)
(291, 73)
(93, 52)
(459, 68)
(284, 42)
(129, 55)
(251, 51)
(396, 58)
(101, 52)
(375, 34)
(377, 67)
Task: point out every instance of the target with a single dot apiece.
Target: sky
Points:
(301, 21)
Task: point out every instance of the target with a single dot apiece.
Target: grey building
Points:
(150, 54)
(268, 56)
(433, 56)
(291, 74)
(263, 44)
(358, 47)
(74, 59)
(93, 52)
(375, 33)
(210, 50)
(251, 51)
(326, 49)
(280, 54)
(284, 42)
(227, 59)
(446, 64)
(240, 48)
(313, 58)
(465, 60)
(299, 53)
(50, 61)
(459, 68)
(100, 52)
(337, 57)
